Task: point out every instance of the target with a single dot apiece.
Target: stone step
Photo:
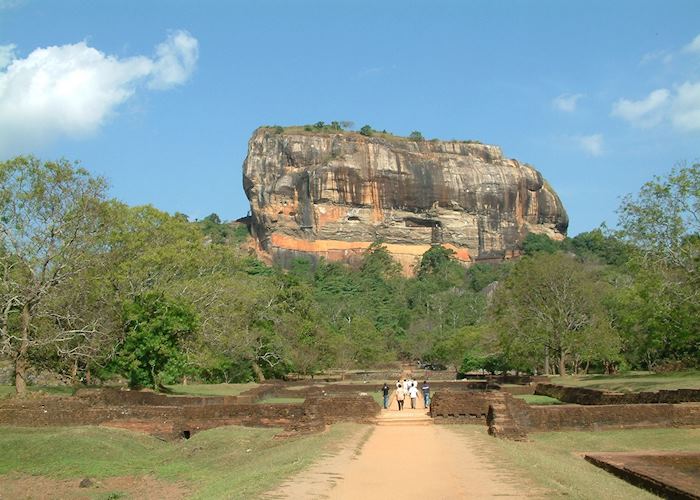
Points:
(407, 417)
(404, 422)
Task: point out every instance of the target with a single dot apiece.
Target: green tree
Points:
(534, 243)
(436, 260)
(481, 275)
(155, 328)
(51, 216)
(366, 130)
(416, 136)
(602, 245)
(551, 305)
(660, 306)
(662, 219)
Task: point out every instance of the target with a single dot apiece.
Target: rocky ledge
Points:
(332, 195)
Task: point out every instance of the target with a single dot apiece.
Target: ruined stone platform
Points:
(668, 474)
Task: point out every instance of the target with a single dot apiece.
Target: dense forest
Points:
(94, 289)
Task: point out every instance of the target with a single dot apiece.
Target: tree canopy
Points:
(92, 287)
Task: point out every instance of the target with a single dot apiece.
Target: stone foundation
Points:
(448, 406)
(512, 418)
(172, 417)
(605, 417)
(667, 474)
(586, 396)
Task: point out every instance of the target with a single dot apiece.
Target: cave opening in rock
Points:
(418, 222)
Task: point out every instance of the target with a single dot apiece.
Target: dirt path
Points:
(408, 460)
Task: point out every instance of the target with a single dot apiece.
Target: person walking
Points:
(413, 393)
(400, 396)
(426, 394)
(385, 392)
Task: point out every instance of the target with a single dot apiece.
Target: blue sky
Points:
(161, 96)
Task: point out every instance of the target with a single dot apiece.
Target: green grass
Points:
(227, 462)
(58, 390)
(533, 399)
(554, 460)
(378, 397)
(281, 400)
(211, 389)
(634, 382)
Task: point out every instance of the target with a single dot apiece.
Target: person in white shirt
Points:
(400, 396)
(413, 394)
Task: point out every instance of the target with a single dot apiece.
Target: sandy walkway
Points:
(407, 461)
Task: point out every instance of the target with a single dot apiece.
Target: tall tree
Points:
(551, 306)
(661, 306)
(51, 215)
(151, 353)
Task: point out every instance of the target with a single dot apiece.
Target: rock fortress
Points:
(331, 195)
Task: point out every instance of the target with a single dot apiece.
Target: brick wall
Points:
(170, 416)
(448, 406)
(597, 417)
(586, 396)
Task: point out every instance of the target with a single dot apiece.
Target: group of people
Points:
(407, 388)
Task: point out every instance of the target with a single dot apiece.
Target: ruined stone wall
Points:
(80, 411)
(586, 396)
(301, 390)
(448, 406)
(337, 408)
(598, 417)
(518, 389)
(170, 417)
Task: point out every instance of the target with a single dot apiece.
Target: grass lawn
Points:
(634, 382)
(211, 389)
(227, 462)
(65, 390)
(280, 400)
(533, 399)
(553, 460)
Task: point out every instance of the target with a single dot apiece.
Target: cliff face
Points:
(332, 195)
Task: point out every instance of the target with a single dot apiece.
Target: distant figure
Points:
(426, 393)
(400, 396)
(385, 392)
(405, 386)
(398, 383)
(413, 393)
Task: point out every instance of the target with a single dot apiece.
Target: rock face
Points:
(332, 195)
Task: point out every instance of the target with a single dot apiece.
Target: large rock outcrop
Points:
(332, 195)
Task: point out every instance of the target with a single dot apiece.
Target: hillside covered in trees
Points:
(92, 289)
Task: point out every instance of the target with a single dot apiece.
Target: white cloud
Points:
(566, 102)
(694, 46)
(10, 4)
(591, 144)
(681, 107)
(678, 107)
(71, 90)
(657, 55)
(685, 113)
(177, 57)
(7, 54)
(644, 113)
